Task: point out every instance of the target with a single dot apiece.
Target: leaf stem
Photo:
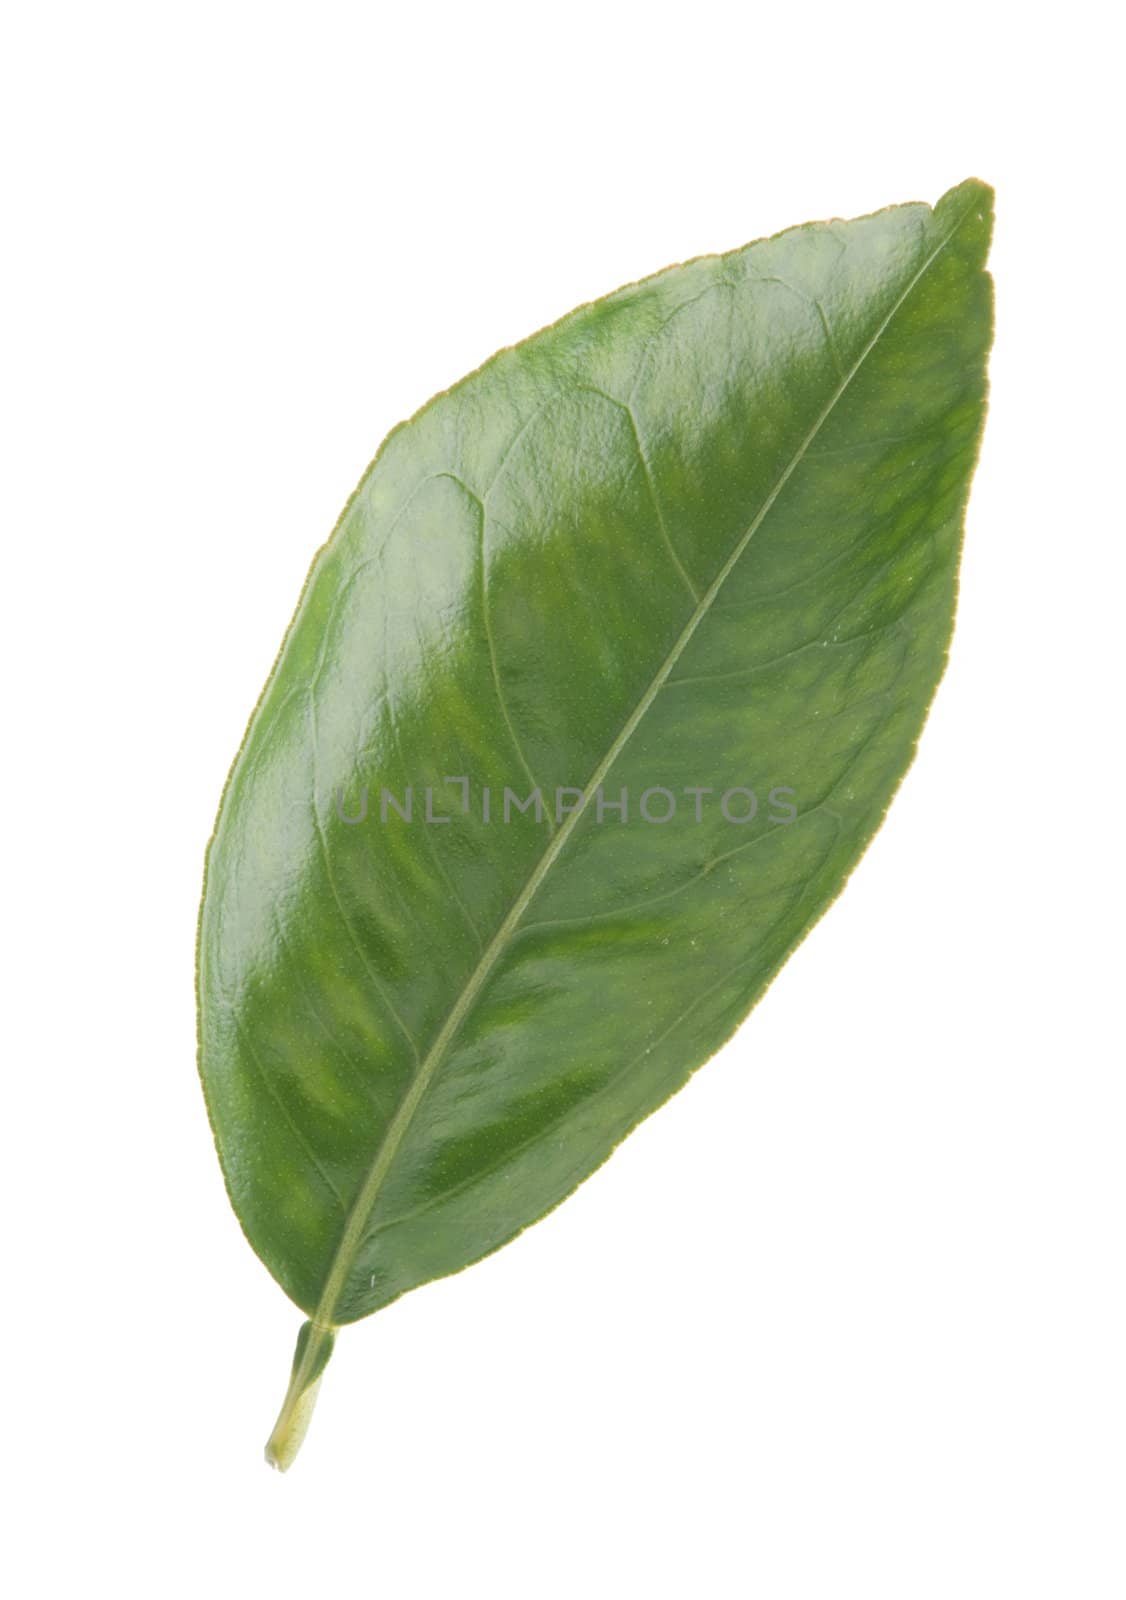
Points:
(314, 1346)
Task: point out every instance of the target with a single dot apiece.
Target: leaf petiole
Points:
(314, 1346)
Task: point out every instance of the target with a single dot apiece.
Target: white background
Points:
(847, 1318)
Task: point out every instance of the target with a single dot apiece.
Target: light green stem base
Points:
(314, 1346)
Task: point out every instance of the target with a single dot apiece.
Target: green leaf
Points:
(697, 543)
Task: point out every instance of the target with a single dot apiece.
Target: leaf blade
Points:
(497, 1085)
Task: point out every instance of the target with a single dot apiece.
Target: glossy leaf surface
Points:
(696, 542)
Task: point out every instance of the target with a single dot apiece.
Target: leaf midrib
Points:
(360, 1214)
